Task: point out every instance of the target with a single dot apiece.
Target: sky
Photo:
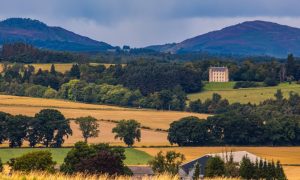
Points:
(140, 23)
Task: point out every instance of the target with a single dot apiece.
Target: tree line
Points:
(49, 128)
(273, 122)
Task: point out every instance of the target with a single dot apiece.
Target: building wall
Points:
(218, 74)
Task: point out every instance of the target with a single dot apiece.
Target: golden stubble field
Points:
(150, 118)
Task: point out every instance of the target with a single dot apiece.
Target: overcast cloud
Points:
(146, 22)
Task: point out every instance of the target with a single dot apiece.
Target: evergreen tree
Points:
(75, 71)
(52, 70)
(246, 168)
(215, 167)
(290, 66)
(197, 172)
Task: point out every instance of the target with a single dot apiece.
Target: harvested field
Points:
(60, 67)
(150, 118)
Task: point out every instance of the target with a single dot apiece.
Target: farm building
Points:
(186, 171)
(218, 74)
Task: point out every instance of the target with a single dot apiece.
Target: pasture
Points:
(60, 67)
(245, 95)
(133, 156)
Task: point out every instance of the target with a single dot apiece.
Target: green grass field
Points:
(133, 156)
(253, 95)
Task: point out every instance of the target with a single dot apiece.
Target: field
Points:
(133, 156)
(60, 67)
(286, 155)
(253, 95)
(150, 118)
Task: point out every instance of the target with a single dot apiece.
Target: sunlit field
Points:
(253, 95)
(150, 118)
(60, 67)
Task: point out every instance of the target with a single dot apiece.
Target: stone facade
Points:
(218, 74)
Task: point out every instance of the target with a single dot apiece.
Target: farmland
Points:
(253, 95)
(60, 67)
(148, 118)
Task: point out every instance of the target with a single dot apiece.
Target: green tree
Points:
(247, 169)
(168, 163)
(95, 159)
(17, 130)
(188, 131)
(52, 127)
(128, 131)
(88, 126)
(75, 71)
(290, 65)
(197, 172)
(52, 70)
(215, 167)
(3, 126)
(33, 161)
(278, 95)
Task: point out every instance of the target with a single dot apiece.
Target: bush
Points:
(34, 161)
(215, 167)
(35, 91)
(50, 93)
(245, 84)
(271, 82)
(95, 159)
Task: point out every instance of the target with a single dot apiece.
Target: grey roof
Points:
(141, 170)
(218, 68)
(202, 161)
(237, 157)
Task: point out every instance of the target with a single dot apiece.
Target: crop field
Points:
(286, 155)
(150, 118)
(253, 95)
(60, 67)
(133, 156)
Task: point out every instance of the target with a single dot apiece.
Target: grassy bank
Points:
(133, 156)
(253, 95)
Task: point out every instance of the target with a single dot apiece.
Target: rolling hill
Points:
(43, 36)
(255, 38)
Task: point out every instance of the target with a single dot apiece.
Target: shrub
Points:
(35, 91)
(245, 84)
(215, 167)
(34, 161)
(50, 93)
(95, 159)
(168, 163)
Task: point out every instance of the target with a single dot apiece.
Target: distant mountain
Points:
(40, 35)
(249, 38)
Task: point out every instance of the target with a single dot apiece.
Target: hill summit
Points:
(248, 38)
(41, 35)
